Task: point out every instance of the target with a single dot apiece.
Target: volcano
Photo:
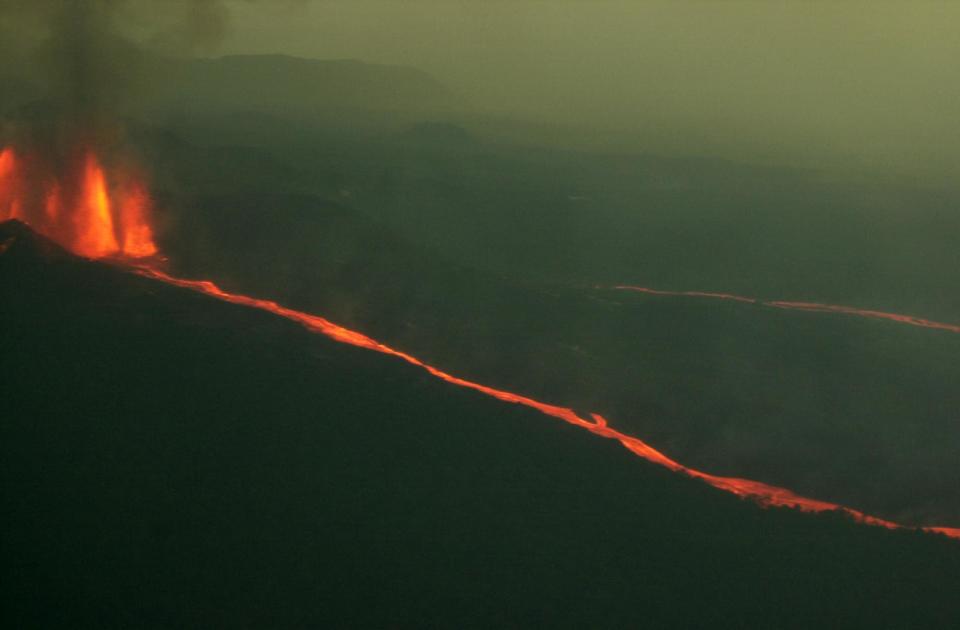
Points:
(173, 457)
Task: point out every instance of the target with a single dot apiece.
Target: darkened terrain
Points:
(583, 244)
(388, 209)
(170, 460)
(484, 258)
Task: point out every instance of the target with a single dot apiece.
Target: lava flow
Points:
(764, 494)
(77, 204)
(704, 294)
(97, 217)
(811, 307)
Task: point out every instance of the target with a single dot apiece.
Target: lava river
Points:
(812, 307)
(764, 494)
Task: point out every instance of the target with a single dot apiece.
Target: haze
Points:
(853, 85)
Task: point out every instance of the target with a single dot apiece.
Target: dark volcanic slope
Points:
(815, 402)
(168, 459)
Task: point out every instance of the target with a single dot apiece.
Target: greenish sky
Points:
(857, 85)
(872, 83)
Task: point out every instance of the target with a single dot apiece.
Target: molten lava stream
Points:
(764, 494)
(811, 307)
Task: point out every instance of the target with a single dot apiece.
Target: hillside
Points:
(166, 456)
(815, 402)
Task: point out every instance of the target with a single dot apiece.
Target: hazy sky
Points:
(863, 83)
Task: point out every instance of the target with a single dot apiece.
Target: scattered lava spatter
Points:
(77, 204)
(763, 494)
(811, 307)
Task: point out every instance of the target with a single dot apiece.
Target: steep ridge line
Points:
(810, 307)
(761, 493)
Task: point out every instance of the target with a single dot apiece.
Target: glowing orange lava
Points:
(53, 204)
(135, 226)
(93, 218)
(706, 294)
(761, 493)
(10, 196)
(812, 307)
(77, 204)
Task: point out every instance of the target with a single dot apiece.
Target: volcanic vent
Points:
(75, 201)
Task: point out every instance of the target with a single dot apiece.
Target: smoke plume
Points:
(87, 57)
(71, 69)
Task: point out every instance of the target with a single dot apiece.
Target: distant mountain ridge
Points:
(272, 84)
(285, 84)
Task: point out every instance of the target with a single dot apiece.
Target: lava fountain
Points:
(79, 204)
